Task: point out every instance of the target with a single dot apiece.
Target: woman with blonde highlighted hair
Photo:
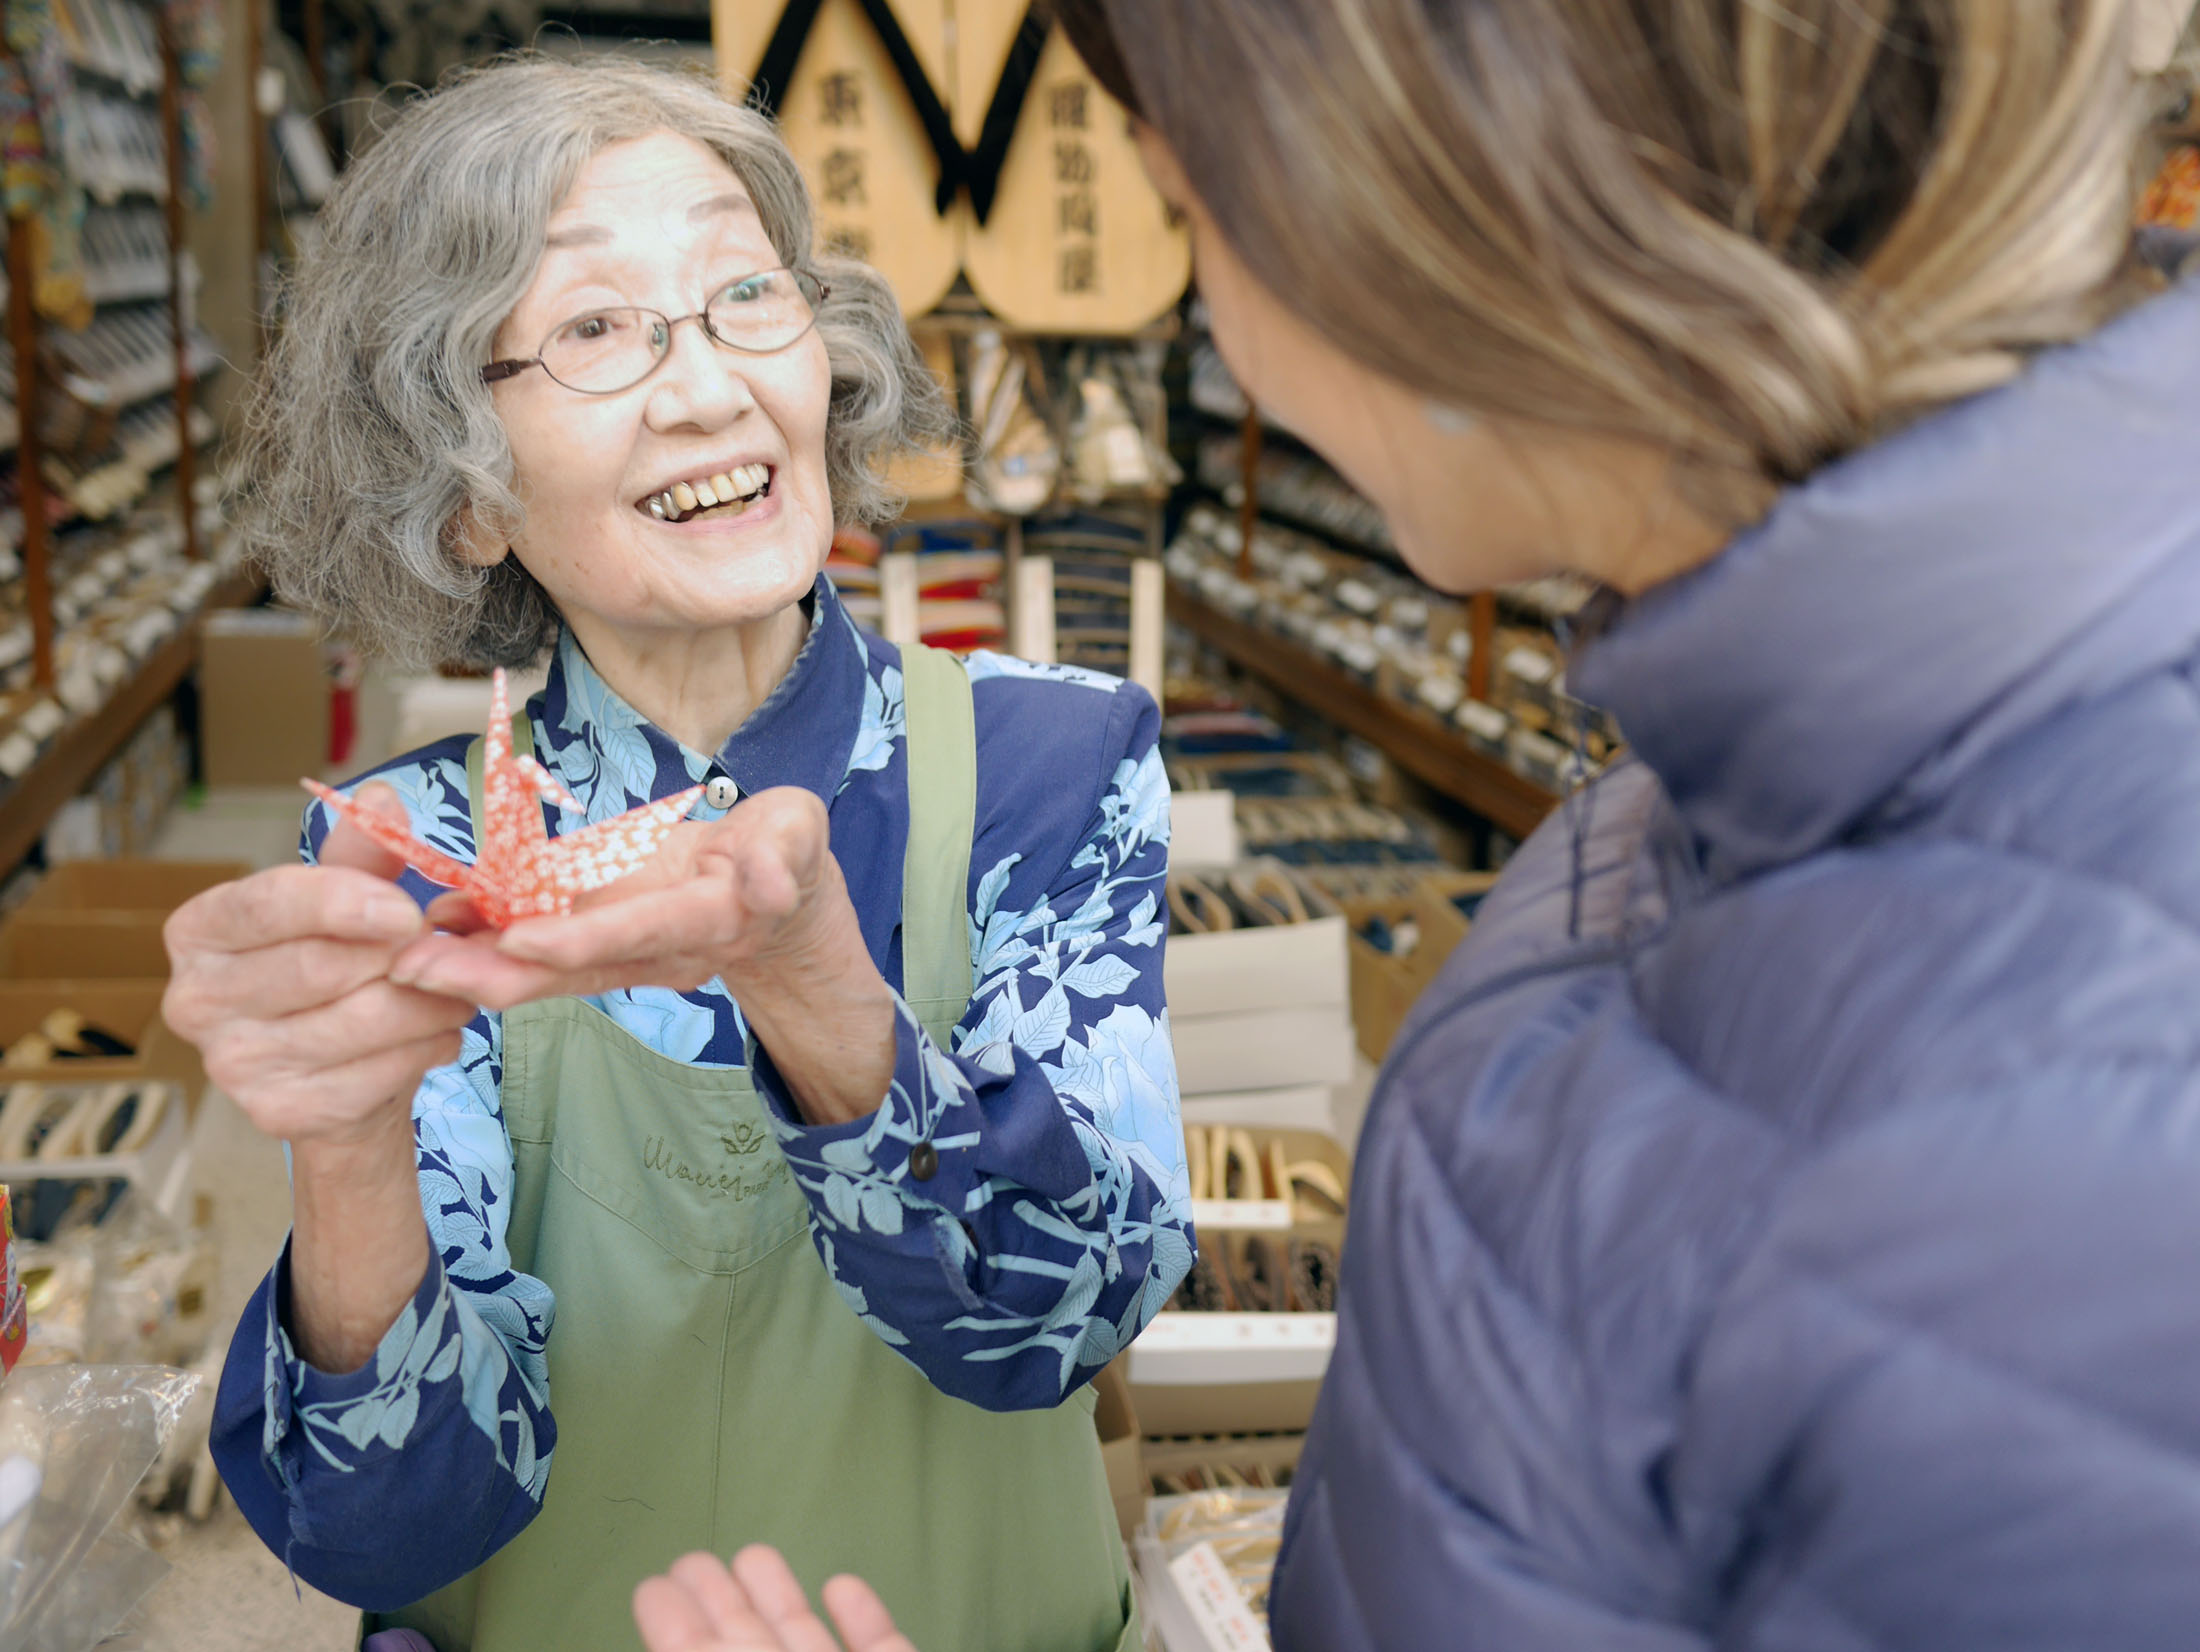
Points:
(1776, 1229)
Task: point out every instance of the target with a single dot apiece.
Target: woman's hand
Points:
(755, 1605)
(282, 981)
(755, 898)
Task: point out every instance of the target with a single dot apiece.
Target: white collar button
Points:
(721, 792)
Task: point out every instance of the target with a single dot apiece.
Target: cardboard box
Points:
(1267, 1208)
(1241, 1373)
(1276, 967)
(1262, 1049)
(1117, 1420)
(83, 946)
(1230, 1373)
(1384, 984)
(1203, 829)
(1444, 923)
(138, 887)
(1292, 1107)
(1260, 1459)
(263, 698)
(1261, 1007)
(129, 1009)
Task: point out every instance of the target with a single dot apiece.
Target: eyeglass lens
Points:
(610, 349)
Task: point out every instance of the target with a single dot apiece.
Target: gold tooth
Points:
(683, 496)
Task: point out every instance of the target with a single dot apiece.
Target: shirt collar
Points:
(802, 735)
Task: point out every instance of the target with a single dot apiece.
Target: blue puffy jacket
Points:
(1779, 1228)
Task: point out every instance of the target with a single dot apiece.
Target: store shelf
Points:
(80, 749)
(1417, 741)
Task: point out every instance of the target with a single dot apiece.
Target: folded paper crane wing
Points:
(520, 870)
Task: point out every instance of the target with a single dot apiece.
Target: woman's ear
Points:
(472, 543)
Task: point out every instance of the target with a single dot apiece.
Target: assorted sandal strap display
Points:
(1258, 1271)
(1270, 895)
(46, 1120)
(1197, 908)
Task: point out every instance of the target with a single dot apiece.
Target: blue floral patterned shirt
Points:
(1057, 1222)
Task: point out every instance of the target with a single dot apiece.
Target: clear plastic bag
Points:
(120, 1285)
(74, 1442)
(1240, 1529)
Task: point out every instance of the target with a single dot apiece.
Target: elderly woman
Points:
(806, 1178)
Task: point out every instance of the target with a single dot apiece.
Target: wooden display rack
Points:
(1416, 740)
(1421, 744)
(89, 741)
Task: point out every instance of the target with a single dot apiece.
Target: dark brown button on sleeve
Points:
(924, 1161)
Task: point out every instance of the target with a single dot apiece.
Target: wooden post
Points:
(1249, 483)
(316, 48)
(1149, 627)
(1012, 582)
(171, 123)
(898, 597)
(1482, 634)
(1031, 623)
(37, 565)
(262, 186)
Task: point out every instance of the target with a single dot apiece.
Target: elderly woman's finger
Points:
(861, 1617)
(455, 912)
(301, 1105)
(471, 968)
(700, 914)
(378, 1016)
(273, 981)
(288, 903)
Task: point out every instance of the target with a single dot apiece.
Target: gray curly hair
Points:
(368, 431)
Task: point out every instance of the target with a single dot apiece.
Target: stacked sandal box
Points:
(1403, 929)
(94, 1087)
(1243, 1345)
(1259, 990)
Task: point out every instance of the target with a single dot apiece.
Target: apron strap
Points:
(942, 759)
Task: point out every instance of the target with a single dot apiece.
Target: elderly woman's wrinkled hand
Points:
(282, 981)
(755, 1605)
(756, 893)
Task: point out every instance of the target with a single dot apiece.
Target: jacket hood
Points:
(1917, 604)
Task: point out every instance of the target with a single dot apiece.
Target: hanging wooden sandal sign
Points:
(1022, 175)
(1070, 237)
(854, 92)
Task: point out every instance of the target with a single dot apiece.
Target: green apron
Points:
(711, 1386)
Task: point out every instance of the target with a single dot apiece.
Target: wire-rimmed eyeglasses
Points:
(606, 351)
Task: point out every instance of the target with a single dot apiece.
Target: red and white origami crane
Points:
(520, 870)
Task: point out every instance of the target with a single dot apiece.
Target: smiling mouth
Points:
(725, 494)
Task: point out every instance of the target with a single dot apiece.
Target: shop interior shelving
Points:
(1423, 745)
(124, 378)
